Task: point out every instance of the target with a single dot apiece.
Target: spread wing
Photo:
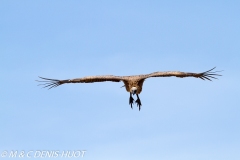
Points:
(208, 75)
(51, 83)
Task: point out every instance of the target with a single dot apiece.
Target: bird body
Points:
(133, 84)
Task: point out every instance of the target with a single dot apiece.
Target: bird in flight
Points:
(133, 84)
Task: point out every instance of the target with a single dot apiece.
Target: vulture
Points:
(133, 84)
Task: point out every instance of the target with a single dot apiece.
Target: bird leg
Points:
(131, 100)
(138, 101)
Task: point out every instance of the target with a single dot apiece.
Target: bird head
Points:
(134, 90)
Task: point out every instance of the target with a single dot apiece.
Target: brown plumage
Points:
(133, 84)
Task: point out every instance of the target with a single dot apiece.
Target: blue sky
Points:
(181, 119)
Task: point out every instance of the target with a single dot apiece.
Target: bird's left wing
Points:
(50, 83)
(203, 75)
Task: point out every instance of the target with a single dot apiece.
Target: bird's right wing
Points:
(50, 83)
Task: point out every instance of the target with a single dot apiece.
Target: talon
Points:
(131, 101)
(138, 103)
